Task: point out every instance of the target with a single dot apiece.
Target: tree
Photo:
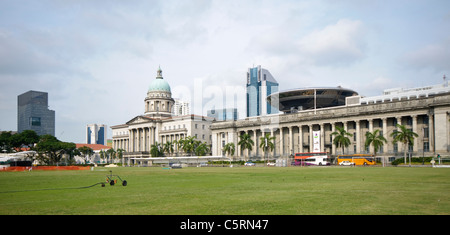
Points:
(5, 142)
(201, 148)
(189, 144)
(229, 149)
(112, 154)
(376, 140)
(86, 151)
(102, 154)
(120, 154)
(28, 138)
(155, 150)
(267, 143)
(50, 149)
(168, 147)
(405, 136)
(341, 139)
(246, 143)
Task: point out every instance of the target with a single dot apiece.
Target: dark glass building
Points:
(33, 113)
(260, 84)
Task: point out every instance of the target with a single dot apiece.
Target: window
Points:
(195, 126)
(425, 119)
(426, 132)
(426, 147)
(35, 121)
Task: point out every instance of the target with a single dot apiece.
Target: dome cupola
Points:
(159, 100)
(159, 84)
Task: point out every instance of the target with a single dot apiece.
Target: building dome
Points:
(159, 84)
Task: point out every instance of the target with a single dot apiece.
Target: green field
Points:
(229, 191)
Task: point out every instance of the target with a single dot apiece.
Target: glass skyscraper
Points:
(33, 113)
(96, 134)
(260, 84)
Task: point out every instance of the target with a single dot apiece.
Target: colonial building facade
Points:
(428, 116)
(157, 125)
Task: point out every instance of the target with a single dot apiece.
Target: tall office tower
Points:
(260, 84)
(33, 113)
(96, 134)
(180, 108)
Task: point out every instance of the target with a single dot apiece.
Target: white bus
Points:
(316, 159)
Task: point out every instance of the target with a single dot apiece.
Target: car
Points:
(250, 164)
(271, 164)
(346, 163)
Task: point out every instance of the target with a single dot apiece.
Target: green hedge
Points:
(413, 160)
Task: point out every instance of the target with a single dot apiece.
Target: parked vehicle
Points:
(346, 163)
(250, 164)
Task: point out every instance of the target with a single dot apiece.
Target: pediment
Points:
(138, 120)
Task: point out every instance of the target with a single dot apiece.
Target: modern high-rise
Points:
(260, 84)
(33, 113)
(180, 108)
(96, 134)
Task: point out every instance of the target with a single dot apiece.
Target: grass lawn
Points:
(230, 191)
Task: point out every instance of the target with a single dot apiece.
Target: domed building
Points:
(159, 100)
(157, 125)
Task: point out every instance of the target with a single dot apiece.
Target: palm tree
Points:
(405, 136)
(201, 148)
(341, 139)
(266, 143)
(168, 147)
(246, 143)
(112, 154)
(155, 150)
(189, 144)
(376, 140)
(102, 154)
(120, 154)
(229, 148)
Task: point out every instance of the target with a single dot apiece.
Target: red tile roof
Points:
(94, 146)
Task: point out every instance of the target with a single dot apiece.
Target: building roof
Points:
(309, 98)
(94, 146)
(159, 84)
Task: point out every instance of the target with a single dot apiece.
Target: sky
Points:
(96, 59)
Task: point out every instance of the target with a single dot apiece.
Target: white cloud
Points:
(434, 56)
(338, 44)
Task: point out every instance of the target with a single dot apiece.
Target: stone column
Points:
(132, 140)
(385, 135)
(281, 141)
(256, 146)
(291, 141)
(414, 129)
(399, 144)
(371, 149)
(358, 136)
(300, 139)
(322, 138)
(431, 132)
(333, 129)
(271, 134)
(311, 140)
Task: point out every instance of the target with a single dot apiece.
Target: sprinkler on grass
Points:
(112, 181)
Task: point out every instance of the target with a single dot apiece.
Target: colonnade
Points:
(296, 137)
(141, 139)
